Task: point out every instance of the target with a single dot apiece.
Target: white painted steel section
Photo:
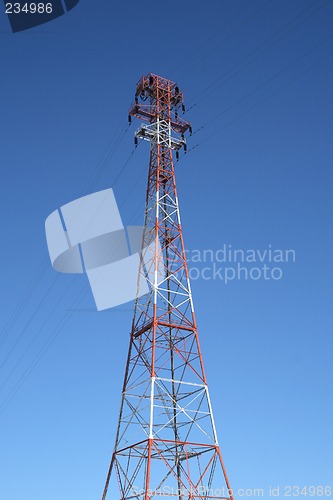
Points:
(211, 415)
(188, 280)
(151, 423)
(160, 132)
(156, 250)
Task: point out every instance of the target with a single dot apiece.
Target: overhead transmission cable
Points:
(83, 292)
(55, 332)
(35, 281)
(203, 58)
(23, 301)
(196, 50)
(62, 322)
(263, 84)
(257, 104)
(206, 92)
(279, 89)
(115, 142)
(109, 151)
(43, 267)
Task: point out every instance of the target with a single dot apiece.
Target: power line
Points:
(263, 84)
(195, 51)
(105, 162)
(262, 101)
(26, 326)
(56, 331)
(35, 362)
(114, 143)
(23, 300)
(253, 15)
(274, 42)
(120, 136)
(109, 151)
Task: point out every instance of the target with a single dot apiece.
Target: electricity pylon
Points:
(166, 444)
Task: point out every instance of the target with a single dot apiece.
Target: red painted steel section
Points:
(165, 403)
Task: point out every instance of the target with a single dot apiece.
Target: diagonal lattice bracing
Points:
(166, 444)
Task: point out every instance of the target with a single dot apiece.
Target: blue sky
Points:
(258, 173)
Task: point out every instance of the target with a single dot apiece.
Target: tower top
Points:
(158, 101)
(151, 84)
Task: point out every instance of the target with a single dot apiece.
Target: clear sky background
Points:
(259, 77)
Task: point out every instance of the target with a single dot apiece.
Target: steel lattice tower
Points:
(166, 444)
